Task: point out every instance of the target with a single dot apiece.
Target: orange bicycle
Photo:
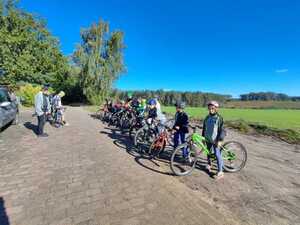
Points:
(159, 144)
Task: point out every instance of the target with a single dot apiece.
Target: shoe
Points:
(219, 175)
(208, 168)
(43, 135)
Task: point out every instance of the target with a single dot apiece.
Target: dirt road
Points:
(84, 174)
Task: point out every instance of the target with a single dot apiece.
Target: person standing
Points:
(180, 126)
(214, 133)
(42, 109)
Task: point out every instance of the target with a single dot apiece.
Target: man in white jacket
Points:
(42, 108)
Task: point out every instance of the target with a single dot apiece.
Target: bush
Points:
(27, 92)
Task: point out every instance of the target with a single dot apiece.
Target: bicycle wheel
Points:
(157, 147)
(144, 137)
(234, 155)
(183, 165)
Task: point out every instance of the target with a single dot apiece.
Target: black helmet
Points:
(180, 104)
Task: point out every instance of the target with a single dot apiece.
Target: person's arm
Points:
(185, 120)
(221, 131)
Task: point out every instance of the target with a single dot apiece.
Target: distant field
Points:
(263, 104)
(277, 118)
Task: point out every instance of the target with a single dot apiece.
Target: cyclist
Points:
(214, 133)
(156, 98)
(180, 126)
(59, 109)
(152, 111)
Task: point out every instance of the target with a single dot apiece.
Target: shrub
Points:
(27, 92)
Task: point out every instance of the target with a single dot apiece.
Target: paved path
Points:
(79, 176)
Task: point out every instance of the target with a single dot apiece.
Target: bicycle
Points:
(159, 144)
(196, 146)
(145, 135)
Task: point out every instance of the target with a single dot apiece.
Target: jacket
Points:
(182, 121)
(213, 128)
(39, 104)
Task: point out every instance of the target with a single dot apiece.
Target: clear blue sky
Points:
(223, 46)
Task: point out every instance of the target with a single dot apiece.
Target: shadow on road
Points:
(159, 165)
(3, 216)
(31, 126)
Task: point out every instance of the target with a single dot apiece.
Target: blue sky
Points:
(223, 46)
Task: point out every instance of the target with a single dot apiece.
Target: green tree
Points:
(28, 52)
(100, 59)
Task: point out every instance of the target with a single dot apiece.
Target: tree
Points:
(100, 59)
(28, 52)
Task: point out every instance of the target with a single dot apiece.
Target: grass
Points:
(263, 104)
(275, 118)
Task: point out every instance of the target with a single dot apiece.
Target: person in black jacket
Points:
(181, 125)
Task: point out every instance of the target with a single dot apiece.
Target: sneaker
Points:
(208, 168)
(43, 135)
(219, 175)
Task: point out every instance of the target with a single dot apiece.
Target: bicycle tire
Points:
(177, 159)
(233, 166)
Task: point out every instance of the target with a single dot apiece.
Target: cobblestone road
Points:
(79, 176)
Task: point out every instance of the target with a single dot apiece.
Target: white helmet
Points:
(214, 103)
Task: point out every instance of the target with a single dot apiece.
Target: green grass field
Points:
(277, 118)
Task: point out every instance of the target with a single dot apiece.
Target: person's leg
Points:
(182, 140)
(39, 126)
(220, 162)
(176, 139)
(208, 167)
(41, 123)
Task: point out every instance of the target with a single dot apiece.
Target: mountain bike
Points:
(145, 135)
(234, 155)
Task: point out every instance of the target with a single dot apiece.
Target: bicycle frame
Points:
(200, 142)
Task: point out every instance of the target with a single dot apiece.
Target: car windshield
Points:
(3, 96)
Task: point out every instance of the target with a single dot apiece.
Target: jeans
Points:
(41, 124)
(218, 154)
(180, 135)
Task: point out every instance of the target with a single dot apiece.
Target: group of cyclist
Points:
(213, 129)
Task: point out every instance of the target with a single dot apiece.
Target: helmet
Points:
(61, 94)
(180, 104)
(214, 103)
(152, 102)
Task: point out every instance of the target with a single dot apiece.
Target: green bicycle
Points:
(234, 155)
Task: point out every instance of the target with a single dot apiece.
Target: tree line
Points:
(169, 98)
(267, 96)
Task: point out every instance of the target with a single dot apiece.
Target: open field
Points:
(277, 118)
(263, 104)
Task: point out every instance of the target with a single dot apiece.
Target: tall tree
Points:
(100, 58)
(28, 52)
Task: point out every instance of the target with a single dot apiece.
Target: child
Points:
(181, 125)
(214, 133)
(152, 112)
